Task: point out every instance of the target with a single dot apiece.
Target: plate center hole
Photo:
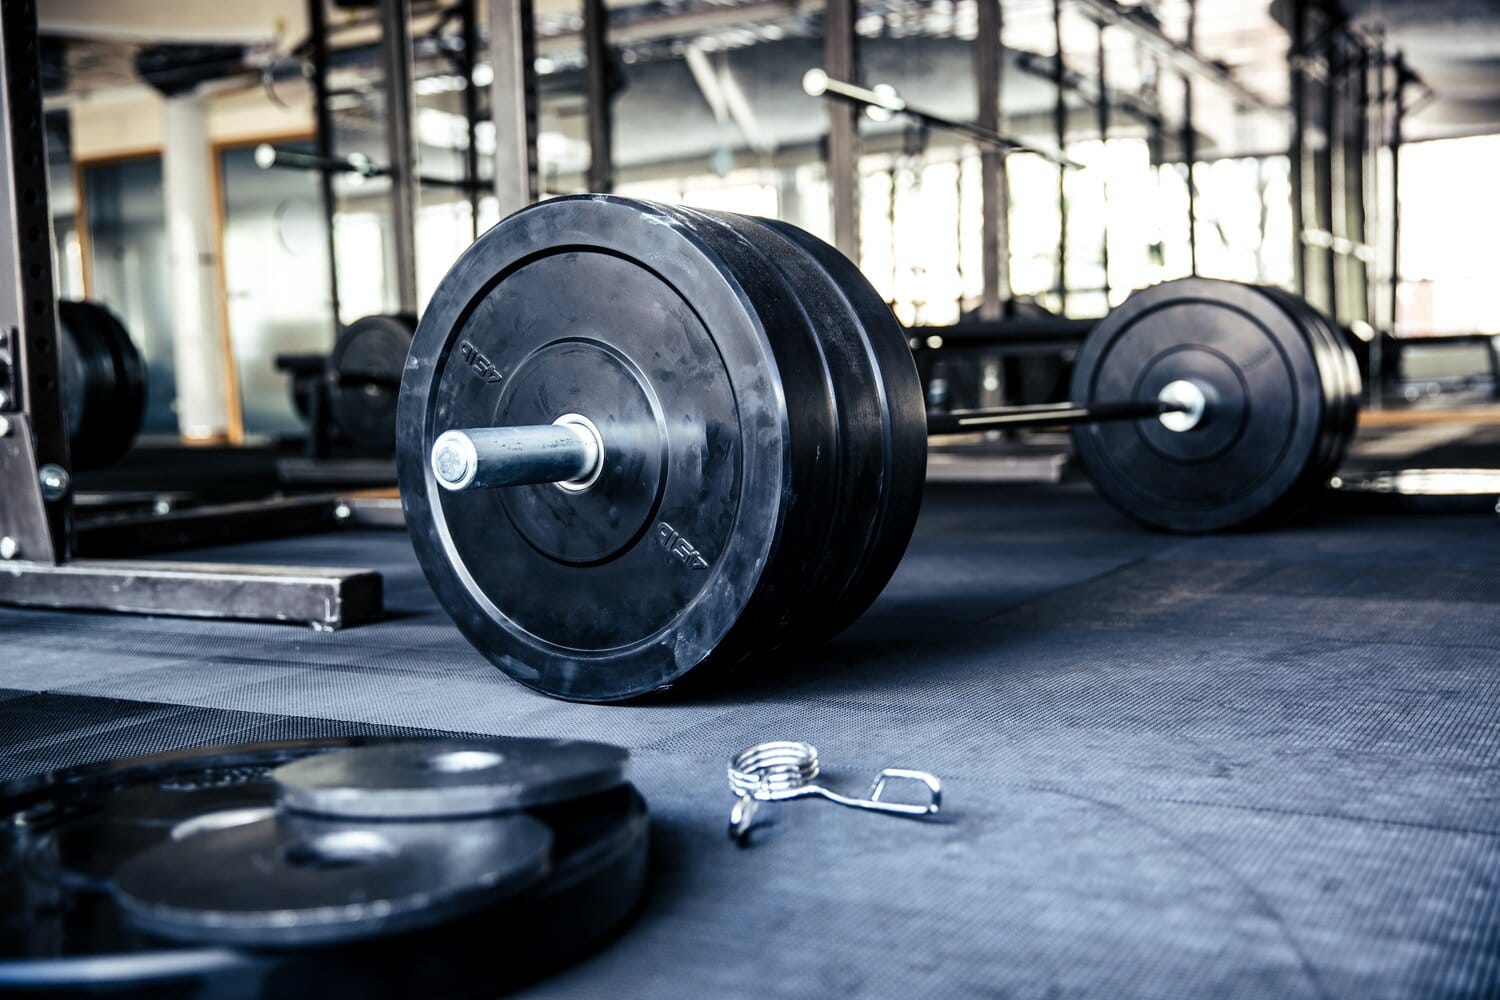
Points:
(459, 761)
(344, 849)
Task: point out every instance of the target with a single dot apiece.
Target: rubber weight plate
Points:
(1264, 427)
(1341, 377)
(882, 524)
(364, 373)
(867, 363)
(718, 432)
(298, 881)
(448, 778)
(61, 933)
(103, 384)
(796, 582)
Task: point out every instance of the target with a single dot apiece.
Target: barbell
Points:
(639, 442)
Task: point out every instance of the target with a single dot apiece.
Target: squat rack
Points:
(37, 529)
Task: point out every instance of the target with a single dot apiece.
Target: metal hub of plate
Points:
(364, 374)
(1277, 404)
(297, 881)
(429, 779)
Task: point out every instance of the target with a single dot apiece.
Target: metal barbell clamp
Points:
(781, 770)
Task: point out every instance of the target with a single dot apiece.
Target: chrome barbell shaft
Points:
(568, 452)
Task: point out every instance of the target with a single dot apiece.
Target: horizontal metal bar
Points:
(371, 512)
(817, 83)
(268, 156)
(1183, 58)
(325, 598)
(566, 452)
(1043, 415)
(215, 524)
(1056, 331)
(337, 473)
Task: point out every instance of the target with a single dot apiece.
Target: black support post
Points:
(469, 28)
(994, 234)
(401, 148)
(37, 524)
(513, 103)
(1296, 151)
(326, 140)
(1398, 117)
(841, 61)
(1102, 111)
(1190, 143)
(597, 106)
(1060, 130)
(1325, 160)
(36, 499)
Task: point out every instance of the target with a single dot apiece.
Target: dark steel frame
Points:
(596, 93)
(38, 568)
(513, 103)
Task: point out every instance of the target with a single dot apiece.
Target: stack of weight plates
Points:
(347, 867)
(103, 384)
(364, 374)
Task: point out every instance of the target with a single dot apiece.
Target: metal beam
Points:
(323, 598)
(395, 16)
(28, 297)
(1296, 147)
(994, 227)
(1190, 143)
(596, 96)
(513, 103)
(1184, 59)
(1325, 159)
(1398, 121)
(469, 26)
(1102, 109)
(841, 62)
(325, 137)
(1060, 136)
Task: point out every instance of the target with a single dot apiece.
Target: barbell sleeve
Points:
(568, 452)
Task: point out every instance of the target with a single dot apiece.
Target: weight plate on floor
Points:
(364, 374)
(805, 559)
(892, 515)
(103, 383)
(1341, 385)
(448, 778)
(300, 881)
(717, 426)
(1343, 381)
(1267, 405)
(64, 935)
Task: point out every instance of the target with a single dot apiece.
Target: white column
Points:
(198, 341)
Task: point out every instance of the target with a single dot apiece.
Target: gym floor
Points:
(1247, 765)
